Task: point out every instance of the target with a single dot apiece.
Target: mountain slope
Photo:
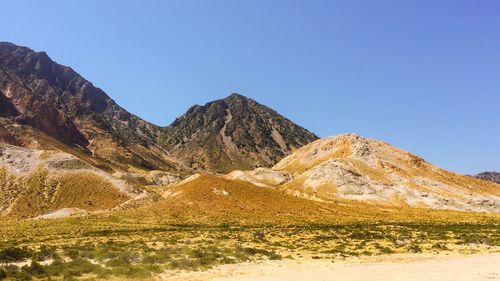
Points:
(39, 182)
(46, 105)
(233, 133)
(355, 168)
(209, 199)
(489, 176)
(352, 167)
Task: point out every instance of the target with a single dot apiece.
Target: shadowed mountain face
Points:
(233, 133)
(55, 106)
(489, 176)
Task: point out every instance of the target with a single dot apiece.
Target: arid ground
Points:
(410, 267)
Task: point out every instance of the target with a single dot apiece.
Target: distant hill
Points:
(489, 176)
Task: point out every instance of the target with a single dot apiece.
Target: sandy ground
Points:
(63, 213)
(389, 268)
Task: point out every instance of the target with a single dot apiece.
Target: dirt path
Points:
(396, 268)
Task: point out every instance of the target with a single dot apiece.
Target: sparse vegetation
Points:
(101, 249)
(41, 191)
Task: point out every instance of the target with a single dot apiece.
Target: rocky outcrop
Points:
(264, 177)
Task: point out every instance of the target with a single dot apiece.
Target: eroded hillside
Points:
(49, 183)
(356, 168)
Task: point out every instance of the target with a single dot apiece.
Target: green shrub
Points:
(205, 257)
(71, 253)
(414, 248)
(34, 269)
(79, 267)
(14, 254)
(44, 253)
(476, 239)
(259, 235)
(183, 263)
(21, 276)
(154, 259)
(3, 274)
(117, 263)
(132, 271)
(56, 268)
(439, 246)
(13, 272)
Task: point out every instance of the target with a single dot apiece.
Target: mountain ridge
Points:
(46, 105)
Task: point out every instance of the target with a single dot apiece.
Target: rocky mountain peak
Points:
(236, 96)
(233, 133)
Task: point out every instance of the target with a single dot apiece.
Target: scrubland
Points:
(137, 245)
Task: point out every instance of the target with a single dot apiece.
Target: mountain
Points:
(232, 133)
(489, 176)
(350, 167)
(45, 105)
(67, 148)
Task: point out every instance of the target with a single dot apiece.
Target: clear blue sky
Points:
(423, 75)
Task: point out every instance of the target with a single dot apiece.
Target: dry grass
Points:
(202, 201)
(125, 246)
(322, 150)
(373, 174)
(41, 192)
